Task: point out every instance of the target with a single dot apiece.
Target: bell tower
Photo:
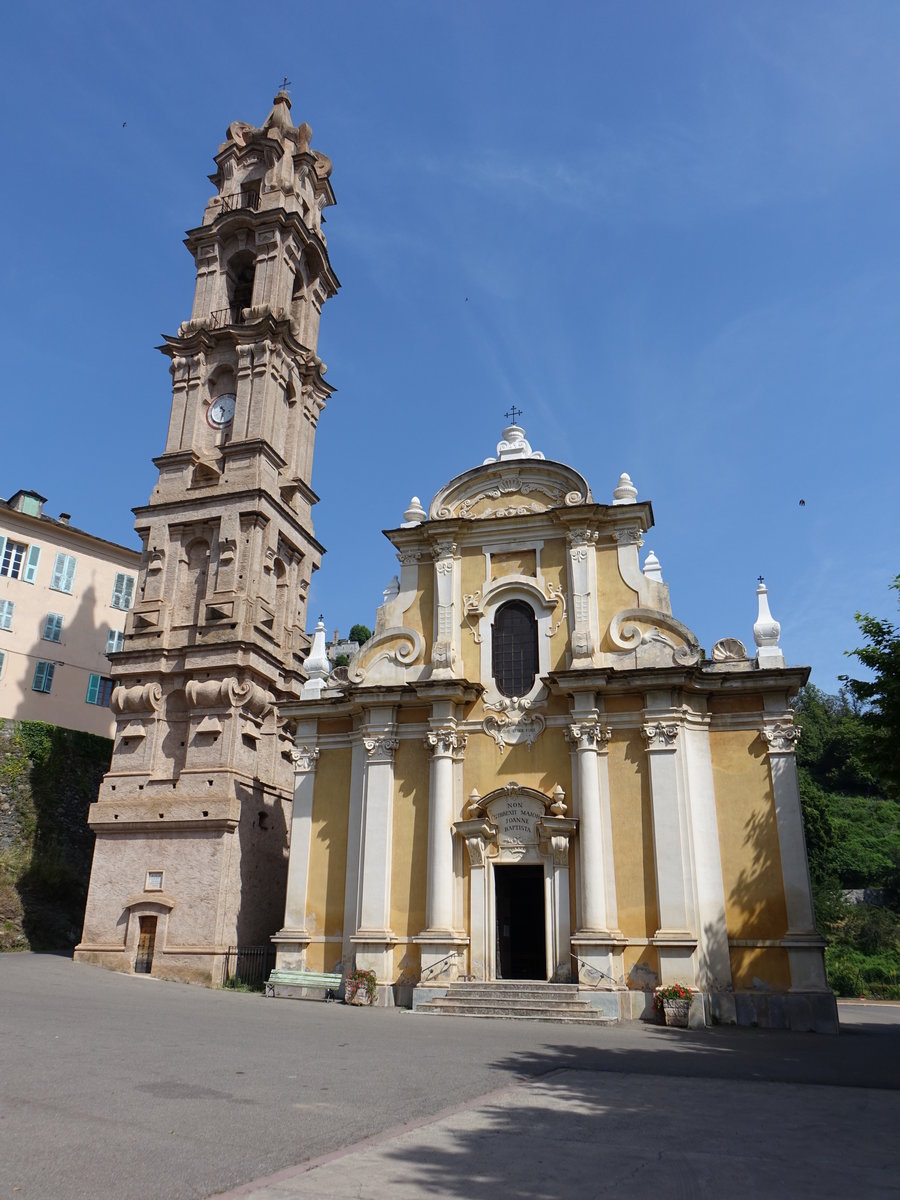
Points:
(191, 821)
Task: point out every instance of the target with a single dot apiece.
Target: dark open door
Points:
(146, 944)
(521, 943)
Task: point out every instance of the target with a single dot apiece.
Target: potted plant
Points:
(673, 1000)
(360, 987)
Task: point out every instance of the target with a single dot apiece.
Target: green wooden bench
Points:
(303, 985)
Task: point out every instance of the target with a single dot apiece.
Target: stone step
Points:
(547, 992)
(569, 1003)
(587, 1017)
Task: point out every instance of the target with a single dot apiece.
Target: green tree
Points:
(360, 633)
(880, 696)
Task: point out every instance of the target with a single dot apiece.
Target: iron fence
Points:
(247, 966)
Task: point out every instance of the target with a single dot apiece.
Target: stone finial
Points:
(766, 631)
(624, 492)
(414, 515)
(280, 116)
(513, 445)
(473, 804)
(652, 568)
(558, 807)
(316, 665)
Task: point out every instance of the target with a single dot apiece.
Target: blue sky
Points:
(666, 231)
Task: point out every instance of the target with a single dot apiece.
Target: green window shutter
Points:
(2, 661)
(43, 677)
(92, 689)
(2, 547)
(63, 572)
(52, 627)
(6, 614)
(31, 566)
(123, 590)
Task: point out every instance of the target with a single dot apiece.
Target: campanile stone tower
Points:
(191, 821)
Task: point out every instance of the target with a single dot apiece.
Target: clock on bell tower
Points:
(201, 775)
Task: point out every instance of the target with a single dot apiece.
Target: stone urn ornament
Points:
(360, 988)
(673, 1000)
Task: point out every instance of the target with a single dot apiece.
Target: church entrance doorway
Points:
(521, 946)
(146, 945)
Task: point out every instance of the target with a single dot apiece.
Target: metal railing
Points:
(226, 316)
(247, 966)
(245, 199)
(432, 972)
(593, 975)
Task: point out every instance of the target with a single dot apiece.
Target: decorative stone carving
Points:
(588, 735)
(551, 485)
(304, 758)
(640, 630)
(729, 650)
(781, 737)
(630, 536)
(381, 747)
(398, 646)
(472, 608)
(507, 731)
(558, 807)
(409, 557)
(414, 515)
(445, 741)
(659, 736)
(146, 699)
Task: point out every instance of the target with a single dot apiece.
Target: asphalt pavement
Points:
(116, 1087)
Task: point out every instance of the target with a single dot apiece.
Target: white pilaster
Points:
(804, 945)
(584, 634)
(445, 653)
(676, 938)
(714, 960)
(291, 941)
(374, 938)
(439, 939)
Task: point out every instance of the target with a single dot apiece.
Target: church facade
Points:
(530, 771)
(533, 771)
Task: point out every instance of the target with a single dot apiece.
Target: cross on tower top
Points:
(513, 414)
(285, 84)
(761, 580)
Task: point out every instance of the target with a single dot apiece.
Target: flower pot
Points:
(360, 997)
(676, 1012)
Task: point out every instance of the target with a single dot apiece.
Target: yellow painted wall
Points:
(770, 965)
(748, 836)
(471, 581)
(543, 767)
(328, 843)
(421, 612)
(554, 571)
(409, 858)
(647, 956)
(613, 593)
(632, 824)
(735, 704)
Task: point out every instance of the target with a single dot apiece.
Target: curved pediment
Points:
(506, 489)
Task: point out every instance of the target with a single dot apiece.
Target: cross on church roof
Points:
(761, 580)
(513, 414)
(285, 84)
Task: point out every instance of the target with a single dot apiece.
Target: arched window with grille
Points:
(514, 648)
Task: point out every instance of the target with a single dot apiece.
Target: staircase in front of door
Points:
(517, 1000)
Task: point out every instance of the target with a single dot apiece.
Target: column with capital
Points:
(291, 941)
(811, 1004)
(676, 937)
(439, 940)
(374, 938)
(596, 940)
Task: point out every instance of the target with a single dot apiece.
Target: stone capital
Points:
(660, 735)
(304, 758)
(445, 741)
(588, 735)
(781, 737)
(380, 747)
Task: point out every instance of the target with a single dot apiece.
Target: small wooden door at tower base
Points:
(146, 943)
